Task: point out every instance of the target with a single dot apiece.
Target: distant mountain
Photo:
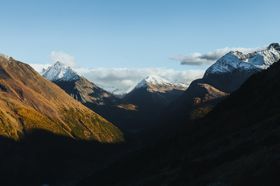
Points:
(128, 112)
(149, 97)
(79, 87)
(154, 89)
(95, 98)
(220, 79)
(231, 70)
(29, 102)
(236, 144)
(155, 83)
(60, 72)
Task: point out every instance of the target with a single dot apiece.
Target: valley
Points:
(214, 131)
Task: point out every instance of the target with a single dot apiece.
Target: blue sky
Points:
(133, 34)
(125, 33)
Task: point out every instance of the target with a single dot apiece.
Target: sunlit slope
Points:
(29, 102)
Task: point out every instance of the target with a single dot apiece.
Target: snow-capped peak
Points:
(152, 80)
(236, 60)
(155, 83)
(60, 71)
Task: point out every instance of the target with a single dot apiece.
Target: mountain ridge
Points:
(29, 102)
(75, 85)
(150, 95)
(240, 148)
(257, 60)
(225, 76)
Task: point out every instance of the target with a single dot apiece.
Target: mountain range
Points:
(150, 96)
(235, 144)
(164, 101)
(59, 128)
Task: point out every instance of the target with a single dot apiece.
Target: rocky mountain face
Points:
(77, 86)
(235, 144)
(60, 72)
(92, 96)
(230, 71)
(225, 76)
(30, 102)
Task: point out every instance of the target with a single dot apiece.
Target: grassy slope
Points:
(30, 102)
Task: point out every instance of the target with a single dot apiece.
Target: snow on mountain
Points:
(236, 60)
(59, 71)
(152, 80)
(157, 83)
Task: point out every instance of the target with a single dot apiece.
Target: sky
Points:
(117, 36)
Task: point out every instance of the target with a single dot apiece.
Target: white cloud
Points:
(63, 57)
(122, 80)
(210, 57)
(39, 67)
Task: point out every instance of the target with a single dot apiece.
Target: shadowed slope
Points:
(237, 144)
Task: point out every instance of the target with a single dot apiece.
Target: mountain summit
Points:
(150, 96)
(254, 61)
(225, 76)
(60, 71)
(77, 86)
(153, 80)
(154, 83)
